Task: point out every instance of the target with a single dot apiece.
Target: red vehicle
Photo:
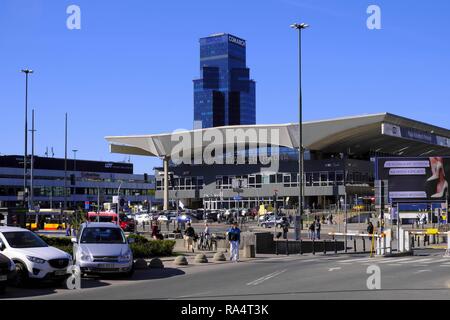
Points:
(126, 223)
(123, 221)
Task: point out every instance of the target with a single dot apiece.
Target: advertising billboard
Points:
(422, 179)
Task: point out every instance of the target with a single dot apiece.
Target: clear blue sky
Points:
(129, 70)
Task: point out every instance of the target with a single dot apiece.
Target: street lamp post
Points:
(27, 73)
(74, 174)
(299, 27)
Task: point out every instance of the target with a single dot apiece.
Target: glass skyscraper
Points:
(225, 94)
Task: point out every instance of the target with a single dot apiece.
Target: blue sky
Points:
(129, 70)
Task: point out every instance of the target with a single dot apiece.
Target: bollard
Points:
(335, 245)
(301, 249)
(287, 247)
(412, 242)
(418, 241)
(364, 244)
(313, 247)
(354, 244)
(324, 247)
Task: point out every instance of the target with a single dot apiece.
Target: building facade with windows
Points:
(225, 94)
(339, 161)
(87, 182)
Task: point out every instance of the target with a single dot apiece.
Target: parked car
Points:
(210, 215)
(126, 223)
(184, 218)
(163, 218)
(102, 248)
(33, 258)
(7, 271)
(145, 217)
(269, 223)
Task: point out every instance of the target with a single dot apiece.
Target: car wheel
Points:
(21, 275)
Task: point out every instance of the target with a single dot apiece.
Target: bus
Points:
(46, 219)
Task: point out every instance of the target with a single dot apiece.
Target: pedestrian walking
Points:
(318, 226)
(370, 229)
(285, 226)
(234, 236)
(189, 235)
(312, 230)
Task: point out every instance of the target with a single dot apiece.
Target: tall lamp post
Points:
(299, 27)
(74, 176)
(27, 73)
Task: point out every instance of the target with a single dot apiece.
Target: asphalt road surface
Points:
(424, 276)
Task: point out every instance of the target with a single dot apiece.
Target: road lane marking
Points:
(267, 277)
(417, 261)
(389, 260)
(421, 271)
(332, 269)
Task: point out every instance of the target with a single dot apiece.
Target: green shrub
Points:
(138, 238)
(153, 248)
(56, 241)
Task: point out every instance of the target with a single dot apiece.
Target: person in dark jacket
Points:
(312, 230)
(189, 235)
(234, 236)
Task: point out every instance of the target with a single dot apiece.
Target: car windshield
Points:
(24, 239)
(102, 235)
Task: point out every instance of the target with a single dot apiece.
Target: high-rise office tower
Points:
(225, 94)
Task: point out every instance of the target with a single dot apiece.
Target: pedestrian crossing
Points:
(411, 261)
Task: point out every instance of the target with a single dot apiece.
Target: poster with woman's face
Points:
(415, 178)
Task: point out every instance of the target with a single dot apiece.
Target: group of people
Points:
(233, 236)
(314, 229)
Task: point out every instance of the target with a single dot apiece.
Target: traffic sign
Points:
(237, 198)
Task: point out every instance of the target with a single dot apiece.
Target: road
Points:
(424, 276)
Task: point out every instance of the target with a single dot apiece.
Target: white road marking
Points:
(420, 271)
(262, 279)
(332, 269)
(390, 260)
(417, 261)
(357, 260)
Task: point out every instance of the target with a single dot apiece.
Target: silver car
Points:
(101, 247)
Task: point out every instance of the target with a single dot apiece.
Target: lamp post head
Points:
(299, 26)
(26, 71)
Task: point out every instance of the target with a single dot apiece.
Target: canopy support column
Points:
(166, 182)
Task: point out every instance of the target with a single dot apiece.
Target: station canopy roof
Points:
(384, 133)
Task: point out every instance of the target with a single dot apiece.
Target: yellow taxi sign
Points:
(432, 231)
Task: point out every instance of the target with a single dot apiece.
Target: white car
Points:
(145, 217)
(163, 218)
(34, 259)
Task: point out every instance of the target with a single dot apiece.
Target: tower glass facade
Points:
(225, 94)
